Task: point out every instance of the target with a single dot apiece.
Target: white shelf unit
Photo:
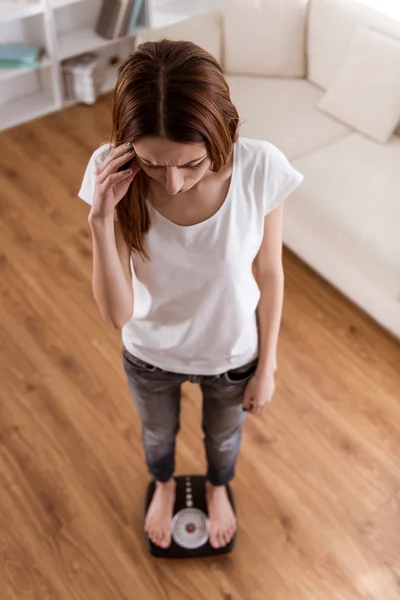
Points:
(65, 29)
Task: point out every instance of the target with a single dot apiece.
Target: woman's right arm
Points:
(112, 277)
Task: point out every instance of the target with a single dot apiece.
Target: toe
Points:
(154, 537)
(159, 538)
(214, 541)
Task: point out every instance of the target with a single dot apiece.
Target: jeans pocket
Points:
(241, 374)
(137, 363)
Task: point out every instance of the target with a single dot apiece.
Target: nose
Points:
(173, 180)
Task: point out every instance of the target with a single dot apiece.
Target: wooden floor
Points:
(318, 479)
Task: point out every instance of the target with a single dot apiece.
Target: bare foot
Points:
(223, 523)
(160, 512)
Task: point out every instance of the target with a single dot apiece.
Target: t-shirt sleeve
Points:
(282, 180)
(86, 191)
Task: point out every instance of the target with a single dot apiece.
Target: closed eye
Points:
(194, 167)
(183, 167)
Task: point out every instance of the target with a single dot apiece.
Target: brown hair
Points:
(175, 90)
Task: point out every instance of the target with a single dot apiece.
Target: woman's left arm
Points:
(270, 279)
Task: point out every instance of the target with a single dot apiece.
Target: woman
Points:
(186, 220)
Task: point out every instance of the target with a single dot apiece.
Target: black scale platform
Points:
(190, 523)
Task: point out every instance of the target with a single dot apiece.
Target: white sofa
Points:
(344, 221)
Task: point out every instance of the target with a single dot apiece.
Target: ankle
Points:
(213, 487)
(166, 485)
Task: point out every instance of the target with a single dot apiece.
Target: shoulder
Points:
(257, 160)
(258, 153)
(267, 170)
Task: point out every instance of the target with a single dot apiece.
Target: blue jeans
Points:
(157, 395)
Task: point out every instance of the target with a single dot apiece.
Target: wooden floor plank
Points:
(318, 477)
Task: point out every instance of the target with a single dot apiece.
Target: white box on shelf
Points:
(83, 78)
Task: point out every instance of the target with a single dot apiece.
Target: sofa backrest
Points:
(265, 38)
(331, 26)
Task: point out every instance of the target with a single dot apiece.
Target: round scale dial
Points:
(190, 528)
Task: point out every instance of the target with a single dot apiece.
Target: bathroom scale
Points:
(190, 524)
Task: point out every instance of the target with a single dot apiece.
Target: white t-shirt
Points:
(195, 299)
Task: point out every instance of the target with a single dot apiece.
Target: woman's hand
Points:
(111, 184)
(259, 392)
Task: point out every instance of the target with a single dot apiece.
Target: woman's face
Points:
(177, 167)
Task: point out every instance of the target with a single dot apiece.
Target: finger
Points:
(114, 166)
(117, 157)
(247, 401)
(118, 177)
(253, 408)
(113, 153)
(135, 166)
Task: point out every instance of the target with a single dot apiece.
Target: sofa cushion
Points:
(365, 93)
(283, 111)
(331, 27)
(350, 198)
(266, 37)
(204, 30)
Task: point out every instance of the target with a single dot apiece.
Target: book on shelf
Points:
(118, 18)
(15, 55)
(134, 16)
(124, 12)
